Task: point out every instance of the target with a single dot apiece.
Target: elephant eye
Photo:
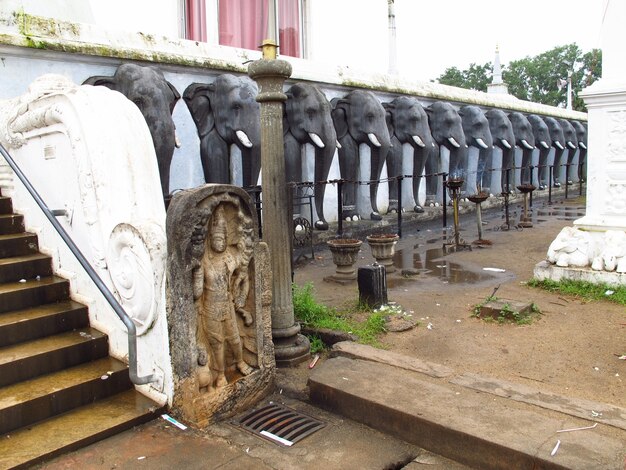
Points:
(310, 112)
(138, 102)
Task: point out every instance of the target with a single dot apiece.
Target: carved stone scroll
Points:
(219, 297)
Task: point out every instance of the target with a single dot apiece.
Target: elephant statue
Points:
(571, 142)
(479, 140)
(447, 131)
(504, 139)
(558, 142)
(226, 113)
(359, 118)
(308, 120)
(581, 135)
(572, 247)
(408, 124)
(525, 140)
(543, 142)
(612, 256)
(155, 97)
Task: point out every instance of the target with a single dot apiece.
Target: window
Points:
(243, 23)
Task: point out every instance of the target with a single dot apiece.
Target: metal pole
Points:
(340, 207)
(566, 180)
(445, 212)
(400, 178)
(550, 172)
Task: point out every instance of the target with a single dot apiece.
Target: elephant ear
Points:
(198, 99)
(285, 120)
(389, 107)
(99, 80)
(175, 96)
(340, 116)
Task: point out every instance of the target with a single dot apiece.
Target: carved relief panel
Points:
(219, 295)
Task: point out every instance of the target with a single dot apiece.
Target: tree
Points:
(476, 77)
(537, 78)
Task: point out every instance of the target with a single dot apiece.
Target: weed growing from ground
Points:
(585, 291)
(507, 313)
(356, 319)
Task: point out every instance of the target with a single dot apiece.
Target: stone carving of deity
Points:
(220, 287)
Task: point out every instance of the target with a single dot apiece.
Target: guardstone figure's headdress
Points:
(218, 224)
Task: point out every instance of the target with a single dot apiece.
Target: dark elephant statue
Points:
(525, 140)
(543, 142)
(558, 142)
(359, 118)
(571, 143)
(308, 120)
(478, 138)
(155, 97)
(447, 131)
(503, 138)
(408, 124)
(226, 113)
(581, 135)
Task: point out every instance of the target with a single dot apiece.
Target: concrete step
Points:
(46, 355)
(28, 266)
(33, 292)
(37, 322)
(16, 244)
(11, 223)
(478, 429)
(27, 402)
(6, 205)
(80, 427)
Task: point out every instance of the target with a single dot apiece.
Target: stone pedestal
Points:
(290, 346)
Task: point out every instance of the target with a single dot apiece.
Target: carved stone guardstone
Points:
(219, 300)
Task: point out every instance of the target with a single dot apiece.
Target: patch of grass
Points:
(582, 290)
(358, 320)
(317, 345)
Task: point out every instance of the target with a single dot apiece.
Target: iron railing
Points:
(115, 305)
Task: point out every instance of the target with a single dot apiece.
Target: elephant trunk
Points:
(164, 140)
(378, 157)
(323, 160)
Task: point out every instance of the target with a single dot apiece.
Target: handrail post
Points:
(444, 178)
(117, 308)
(340, 207)
(400, 178)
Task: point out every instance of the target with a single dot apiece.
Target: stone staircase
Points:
(59, 389)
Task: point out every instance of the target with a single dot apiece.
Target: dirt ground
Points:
(570, 349)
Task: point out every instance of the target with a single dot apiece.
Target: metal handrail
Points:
(115, 305)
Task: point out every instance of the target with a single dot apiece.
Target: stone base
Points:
(340, 279)
(494, 308)
(290, 352)
(544, 270)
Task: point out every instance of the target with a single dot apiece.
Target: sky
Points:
(435, 34)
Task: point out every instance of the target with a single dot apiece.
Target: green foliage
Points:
(317, 345)
(536, 78)
(586, 291)
(313, 314)
(476, 77)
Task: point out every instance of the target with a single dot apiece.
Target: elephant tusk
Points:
(433, 144)
(558, 145)
(544, 144)
(453, 142)
(373, 139)
(338, 145)
(177, 141)
(243, 138)
(527, 145)
(505, 143)
(316, 140)
(571, 145)
(582, 145)
(418, 141)
(481, 143)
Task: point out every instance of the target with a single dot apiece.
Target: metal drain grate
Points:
(280, 424)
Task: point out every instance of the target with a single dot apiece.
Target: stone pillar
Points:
(593, 250)
(606, 104)
(290, 346)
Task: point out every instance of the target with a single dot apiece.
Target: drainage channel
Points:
(279, 424)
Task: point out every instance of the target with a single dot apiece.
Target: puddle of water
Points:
(433, 264)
